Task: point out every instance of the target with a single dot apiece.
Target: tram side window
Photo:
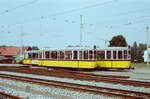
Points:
(100, 54)
(47, 54)
(75, 55)
(125, 54)
(36, 55)
(119, 54)
(85, 54)
(61, 55)
(29, 55)
(40, 55)
(80, 54)
(68, 55)
(94, 54)
(54, 54)
(114, 54)
(33, 55)
(90, 54)
(108, 54)
(129, 54)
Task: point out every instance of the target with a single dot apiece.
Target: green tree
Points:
(118, 41)
(137, 52)
(134, 51)
(35, 48)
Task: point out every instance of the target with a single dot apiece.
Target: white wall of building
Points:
(147, 55)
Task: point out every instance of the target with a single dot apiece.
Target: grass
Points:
(139, 65)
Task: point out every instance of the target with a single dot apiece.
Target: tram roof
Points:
(80, 48)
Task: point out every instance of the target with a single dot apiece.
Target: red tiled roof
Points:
(13, 50)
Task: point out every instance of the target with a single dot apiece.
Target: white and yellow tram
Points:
(82, 58)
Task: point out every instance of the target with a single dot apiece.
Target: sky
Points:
(56, 23)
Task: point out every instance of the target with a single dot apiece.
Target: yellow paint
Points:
(27, 61)
(35, 62)
(87, 64)
(55, 63)
(113, 64)
(80, 64)
(67, 64)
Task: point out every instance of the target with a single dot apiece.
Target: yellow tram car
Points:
(80, 58)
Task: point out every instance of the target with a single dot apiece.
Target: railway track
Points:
(8, 96)
(123, 94)
(79, 76)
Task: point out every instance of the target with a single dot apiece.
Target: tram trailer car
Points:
(81, 58)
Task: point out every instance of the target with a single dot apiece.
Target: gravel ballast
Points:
(33, 91)
(101, 84)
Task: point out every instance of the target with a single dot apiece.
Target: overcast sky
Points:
(56, 23)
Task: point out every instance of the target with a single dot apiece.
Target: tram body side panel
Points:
(58, 63)
(68, 63)
(87, 64)
(121, 64)
(61, 63)
(30, 61)
(113, 64)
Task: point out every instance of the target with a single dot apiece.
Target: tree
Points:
(137, 52)
(35, 48)
(118, 41)
(134, 51)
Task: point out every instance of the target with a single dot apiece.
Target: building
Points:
(13, 51)
(146, 56)
(8, 54)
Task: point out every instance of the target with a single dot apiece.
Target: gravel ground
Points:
(32, 91)
(101, 84)
(13, 65)
(142, 74)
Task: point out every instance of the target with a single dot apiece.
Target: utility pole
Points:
(81, 27)
(147, 28)
(21, 40)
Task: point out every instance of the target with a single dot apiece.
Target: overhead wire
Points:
(17, 7)
(69, 11)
